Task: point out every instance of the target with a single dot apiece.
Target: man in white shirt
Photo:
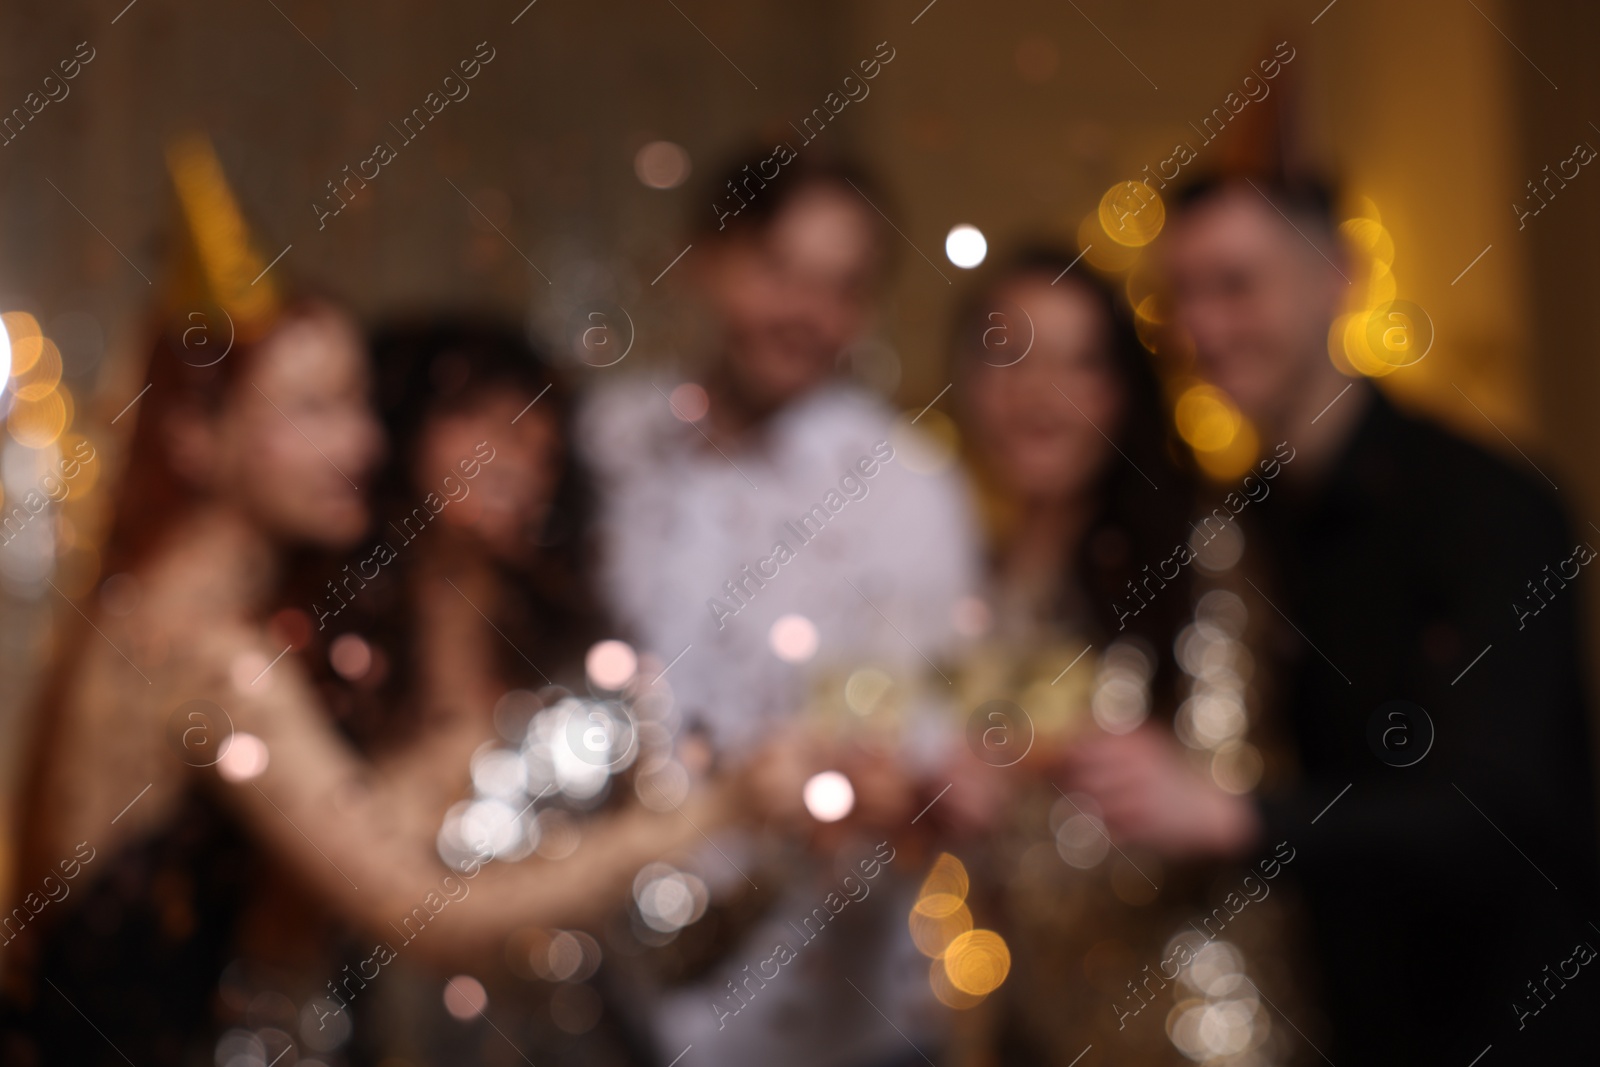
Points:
(765, 526)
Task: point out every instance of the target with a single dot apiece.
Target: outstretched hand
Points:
(1150, 795)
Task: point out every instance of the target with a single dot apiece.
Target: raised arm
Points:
(364, 839)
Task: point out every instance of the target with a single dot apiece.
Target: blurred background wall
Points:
(1013, 115)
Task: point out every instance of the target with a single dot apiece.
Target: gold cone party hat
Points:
(217, 262)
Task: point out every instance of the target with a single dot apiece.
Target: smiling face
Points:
(792, 295)
(296, 436)
(1040, 424)
(1255, 297)
(507, 501)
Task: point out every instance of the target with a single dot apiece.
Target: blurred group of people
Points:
(430, 709)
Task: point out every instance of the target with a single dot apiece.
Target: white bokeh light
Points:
(793, 638)
(465, 998)
(5, 356)
(966, 246)
(610, 664)
(829, 796)
(244, 758)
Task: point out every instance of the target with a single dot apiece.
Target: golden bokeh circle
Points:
(977, 962)
(1207, 419)
(42, 374)
(948, 875)
(933, 934)
(1131, 214)
(36, 423)
(946, 992)
(1099, 251)
(26, 339)
(1399, 333)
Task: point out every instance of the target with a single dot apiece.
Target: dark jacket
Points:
(1448, 859)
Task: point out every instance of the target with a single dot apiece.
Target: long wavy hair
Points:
(431, 367)
(152, 499)
(1133, 523)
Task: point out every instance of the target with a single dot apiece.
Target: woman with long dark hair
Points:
(481, 523)
(480, 636)
(1070, 446)
(1088, 635)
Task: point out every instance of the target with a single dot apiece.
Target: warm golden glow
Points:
(938, 905)
(1150, 333)
(26, 339)
(1207, 419)
(36, 423)
(1381, 287)
(977, 962)
(1148, 308)
(1379, 334)
(1224, 442)
(946, 993)
(1337, 354)
(1142, 288)
(933, 931)
(1236, 459)
(1099, 250)
(1131, 213)
(1356, 348)
(231, 268)
(73, 445)
(949, 875)
(1369, 236)
(940, 914)
(40, 377)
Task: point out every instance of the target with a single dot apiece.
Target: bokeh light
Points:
(689, 402)
(793, 638)
(244, 758)
(1224, 442)
(1099, 250)
(611, 664)
(1131, 214)
(829, 796)
(5, 353)
(350, 656)
(37, 423)
(23, 340)
(1379, 333)
(1207, 419)
(977, 962)
(43, 374)
(945, 991)
(662, 165)
(939, 920)
(936, 920)
(966, 246)
(948, 875)
(465, 998)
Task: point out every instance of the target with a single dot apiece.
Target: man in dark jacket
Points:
(1425, 599)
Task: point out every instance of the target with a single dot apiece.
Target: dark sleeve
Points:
(1449, 630)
